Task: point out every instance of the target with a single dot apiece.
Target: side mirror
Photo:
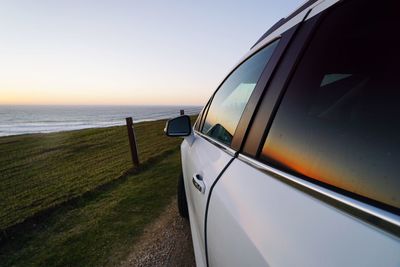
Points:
(179, 126)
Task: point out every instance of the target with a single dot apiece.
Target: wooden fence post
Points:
(182, 112)
(132, 141)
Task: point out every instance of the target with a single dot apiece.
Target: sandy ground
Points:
(165, 242)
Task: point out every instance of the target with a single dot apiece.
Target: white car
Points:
(295, 159)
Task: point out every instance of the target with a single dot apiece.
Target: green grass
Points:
(73, 198)
(41, 171)
(99, 228)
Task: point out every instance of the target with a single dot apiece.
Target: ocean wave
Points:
(17, 120)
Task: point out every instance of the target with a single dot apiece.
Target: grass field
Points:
(100, 228)
(40, 171)
(74, 199)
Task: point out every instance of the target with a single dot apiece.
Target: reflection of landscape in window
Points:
(230, 110)
(365, 163)
(338, 122)
(333, 77)
(231, 98)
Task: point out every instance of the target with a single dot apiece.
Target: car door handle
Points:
(198, 182)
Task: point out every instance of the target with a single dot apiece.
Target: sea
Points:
(22, 119)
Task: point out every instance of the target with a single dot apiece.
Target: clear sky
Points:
(125, 52)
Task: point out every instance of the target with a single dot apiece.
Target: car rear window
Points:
(339, 121)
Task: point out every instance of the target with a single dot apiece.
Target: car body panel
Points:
(201, 157)
(259, 230)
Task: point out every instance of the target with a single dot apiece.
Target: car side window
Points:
(339, 121)
(231, 98)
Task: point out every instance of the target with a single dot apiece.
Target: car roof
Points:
(306, 11)
(284, 20)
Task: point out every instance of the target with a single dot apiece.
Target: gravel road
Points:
(165, 242)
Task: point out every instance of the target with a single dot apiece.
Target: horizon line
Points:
(171, 105)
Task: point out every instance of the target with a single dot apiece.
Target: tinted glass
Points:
(231, 98)
(339, 121)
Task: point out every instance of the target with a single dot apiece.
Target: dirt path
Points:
(166, 242)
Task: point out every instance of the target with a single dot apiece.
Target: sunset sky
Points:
(125, 52)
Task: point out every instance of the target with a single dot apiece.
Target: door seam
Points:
(208, 204)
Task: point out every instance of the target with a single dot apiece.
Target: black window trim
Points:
(232, 71)
(269, 102)
(253, 102)
(215, 142)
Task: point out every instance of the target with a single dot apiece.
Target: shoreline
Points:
(21, 120)
(123, 123)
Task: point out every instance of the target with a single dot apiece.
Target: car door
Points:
(205, 157)
(320, 185)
